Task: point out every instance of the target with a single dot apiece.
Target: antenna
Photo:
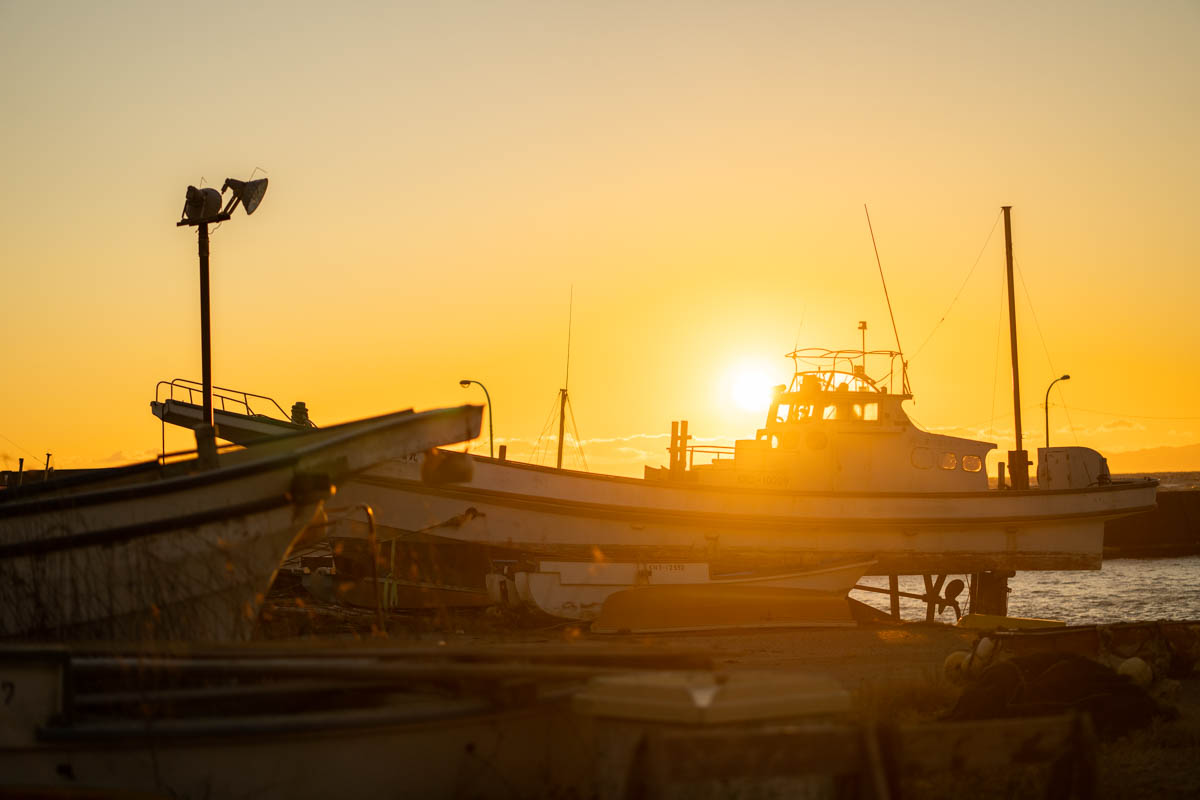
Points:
(562, 394)
(884, 281)
(570, 314)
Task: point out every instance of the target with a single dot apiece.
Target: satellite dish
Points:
(248, 193)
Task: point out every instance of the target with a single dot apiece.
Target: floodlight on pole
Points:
(248, 193)
(1047, 405)
(464, 383)
(201, 207)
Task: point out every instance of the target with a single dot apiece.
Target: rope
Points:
(1045, 348)
(962, 287)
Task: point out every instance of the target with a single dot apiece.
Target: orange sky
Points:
(441, 176)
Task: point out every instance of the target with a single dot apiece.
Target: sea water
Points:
(1124, 589)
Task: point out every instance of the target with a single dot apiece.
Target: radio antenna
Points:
(883, 280)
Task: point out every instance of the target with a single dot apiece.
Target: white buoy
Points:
(1138, 670)
(981, 656)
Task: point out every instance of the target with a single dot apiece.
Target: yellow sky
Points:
(442, 174)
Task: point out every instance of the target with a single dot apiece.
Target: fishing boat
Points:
(186, 549)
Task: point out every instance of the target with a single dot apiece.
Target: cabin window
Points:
(922, 458)
(843, 412)
(948, 461)
(972, 463)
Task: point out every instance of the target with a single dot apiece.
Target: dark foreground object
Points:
(1172, 529)
(1054, 683)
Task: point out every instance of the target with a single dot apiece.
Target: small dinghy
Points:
(581, 590)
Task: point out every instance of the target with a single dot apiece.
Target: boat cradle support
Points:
(988, 594)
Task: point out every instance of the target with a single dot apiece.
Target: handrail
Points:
(717, 450)
(235, 396)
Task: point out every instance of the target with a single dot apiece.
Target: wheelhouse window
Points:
(843, 412)
(972, 463)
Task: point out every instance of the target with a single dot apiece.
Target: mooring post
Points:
(989, 592)
(894, 590)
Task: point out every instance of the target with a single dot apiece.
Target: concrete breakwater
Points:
(1172, 529)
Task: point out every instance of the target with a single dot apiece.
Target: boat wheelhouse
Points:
(833, 428)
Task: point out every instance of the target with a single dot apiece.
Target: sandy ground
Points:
(895, 674)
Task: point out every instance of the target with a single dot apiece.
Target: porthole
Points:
(922, 458)
(948, 461)
(972, 463)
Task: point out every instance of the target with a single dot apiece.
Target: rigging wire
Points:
(996, 364)
(958, 294)
(15, 444)
(1135, 416)
(1042, 336)
(578, 440)
(546, 427)
(879, 263)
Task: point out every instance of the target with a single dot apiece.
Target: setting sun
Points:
(749, 387)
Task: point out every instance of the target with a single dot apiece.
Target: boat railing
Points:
(187, 455)
(717, 451)
(854, 363)
(232, 400)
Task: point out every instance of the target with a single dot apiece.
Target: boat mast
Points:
(1018, 459)
(562, 393)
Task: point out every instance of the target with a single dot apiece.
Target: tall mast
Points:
(562, 394)
(562, 416)
(1018, 460)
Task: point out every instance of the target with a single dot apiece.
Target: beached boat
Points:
(279, 722)
(177, 550)
(838, 473)
(578, 590)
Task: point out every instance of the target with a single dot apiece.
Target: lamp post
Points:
(201, 207)
(1047, 406)
(465, 382)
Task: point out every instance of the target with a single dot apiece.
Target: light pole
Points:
(203, 206)
(1048, 388)
(465, 382)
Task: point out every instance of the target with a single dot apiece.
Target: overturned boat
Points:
(580, 590)
(184, 550)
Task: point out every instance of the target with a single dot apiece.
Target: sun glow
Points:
(749, 387)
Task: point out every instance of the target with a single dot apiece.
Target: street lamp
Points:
(1047, 406)
(201, 207)
(465, 382)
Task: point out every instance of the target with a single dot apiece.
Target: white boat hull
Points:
(573, 590)
(583, 517)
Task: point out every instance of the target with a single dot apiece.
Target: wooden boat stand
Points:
(988, 594)
(935, 601)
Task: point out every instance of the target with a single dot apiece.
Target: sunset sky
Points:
(442, 175)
